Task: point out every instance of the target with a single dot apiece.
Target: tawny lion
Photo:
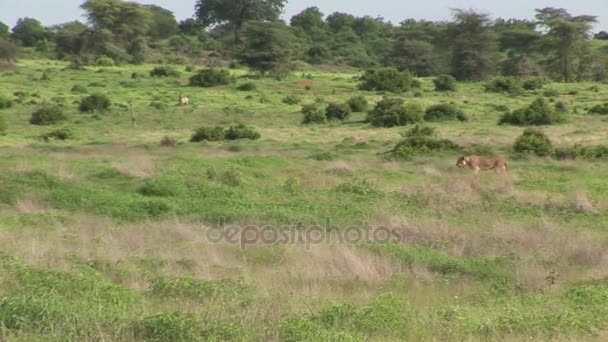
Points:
(483, 163)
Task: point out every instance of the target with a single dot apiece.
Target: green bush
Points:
(105, 61)
(208, 134)
(249, 86)
(47, 115)
(443, 112)
(533, 141)
(95, 103)
(582, 152)
(539, 112)
(421, 140)
(391, 112)
(292, 100)
(445, 83)
(504, 84)
(386, 79)
(534, 82)
(550, 93)
(164, 71)
(313, 114)
(337, 111)
(358, 104)
(241, 131)
(561, 107)
(600, 109)
(59, 134)
(176, 326)
(3, 124)
(211, 78)
(5, 102)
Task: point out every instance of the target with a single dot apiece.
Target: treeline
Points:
(471, 46)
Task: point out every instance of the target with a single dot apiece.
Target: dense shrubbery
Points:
(217, 133)
(386, 79)
(292, 99)
(59, 134)
(504, 84)
(358, 104)
(421, 140)
(583, 152)
(540, 112)
(47, 115)
(249, 86)
(95, 103)
(211, 78)
(105, 61)
(600, 109)
(534, 82)
(313, 114)
(164, 71)
(444, 111)
(445, 83)
(533, 141)
(5, 102)
(79, 89)
(391, 112)
(337, 111)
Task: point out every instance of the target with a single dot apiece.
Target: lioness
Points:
(479, 163)
(183, 100)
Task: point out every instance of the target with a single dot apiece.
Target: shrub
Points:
(292, 99)
(445, 83)
(211, 78)
(164, 71)
(550, 93)
(358, 104)
(533, 141)
(534, 82)
(232, 177)
(95, 103)
(600, 109)
(391, 112)
(160, 106)
(504, 84)
(386, 79)
(60, 134)
(105, 61)
(168, 141)
(47, 115)
(5, 102)
(250, 86)
(540, 112)
(313, 114)
(208, 134)
(337, 111)
(241, 131)
(561, 107)
(3, 124)
(78, 89)
(421, 140)
(444, 111)
(580, 151)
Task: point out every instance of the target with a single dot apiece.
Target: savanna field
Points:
(104, 235)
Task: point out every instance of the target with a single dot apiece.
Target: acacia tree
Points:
(474, 51)
(268, 47)
(566, 38)
(237, 12)
(29, 32)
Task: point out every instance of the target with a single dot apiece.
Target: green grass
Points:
(104, 236)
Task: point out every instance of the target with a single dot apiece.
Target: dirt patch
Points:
(306, 83)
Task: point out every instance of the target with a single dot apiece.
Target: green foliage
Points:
(249, 86)
(561, 107)
(268, 48)
(95, 103)
(8, 50)
(445, 83)
(79, 89)
(539, 112)
(160, 106)
(211, 78)
(164, 71)
(421, 141)
(578, 151)
(504, 84)
(550, 92)
(105, 61)
(533, 141)
(174, 326)
(241, 131)
(5, 102)
(534, 82)
(313, 114)
(60, 134)
(600, 109)
(358, 104)
(158, 187)
(3, 124)
(28, 32)
(391, 112)
(47, 115)
(208, 134)
(386, 79)
(443, 112)
(337, 111)
(292, 99)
